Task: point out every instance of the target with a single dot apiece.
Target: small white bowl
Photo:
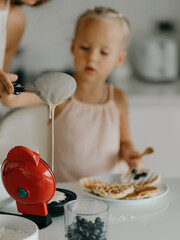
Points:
(20, 224)
(5, 146)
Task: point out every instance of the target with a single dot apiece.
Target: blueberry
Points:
(134, 171)
(100, 226)
(86, 225)
(78, 218)
(97, 232)
(72, 227)
(81, 229)
(85, 234)
(98, 220)
(91, 225)
(83, 220)
(137, 176)
(78, 236)
(144, 174)
(92, 237)
(68, 235)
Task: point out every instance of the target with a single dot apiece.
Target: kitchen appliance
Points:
(30, 181)
(155, 58)
(6, 145)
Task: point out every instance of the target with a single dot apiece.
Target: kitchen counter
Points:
(139, 91)
(156, 219)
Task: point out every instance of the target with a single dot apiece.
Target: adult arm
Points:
(15, 28)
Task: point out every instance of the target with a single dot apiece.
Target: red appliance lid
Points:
(27, 178)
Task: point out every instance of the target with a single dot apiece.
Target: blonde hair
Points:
(102, 13)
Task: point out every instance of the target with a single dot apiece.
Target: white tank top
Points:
(3, 31)
(87, 139)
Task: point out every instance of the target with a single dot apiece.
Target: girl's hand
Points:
(6, 86)
(133, 159)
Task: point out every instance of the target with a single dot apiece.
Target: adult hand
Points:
(6, 86)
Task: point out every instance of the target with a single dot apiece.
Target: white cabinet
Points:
(157, 125)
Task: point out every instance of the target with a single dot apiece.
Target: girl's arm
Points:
(127, 151)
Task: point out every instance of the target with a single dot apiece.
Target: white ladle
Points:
(53, 88)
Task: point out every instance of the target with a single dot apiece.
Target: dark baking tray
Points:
(57, 209)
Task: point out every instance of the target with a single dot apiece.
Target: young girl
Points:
(91, 128)
(12, 25)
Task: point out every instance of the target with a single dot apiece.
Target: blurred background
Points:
(150, 74)
(46, 42)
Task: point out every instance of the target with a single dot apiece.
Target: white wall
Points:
(50, 28)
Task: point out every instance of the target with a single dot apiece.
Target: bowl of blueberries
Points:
(86, 219)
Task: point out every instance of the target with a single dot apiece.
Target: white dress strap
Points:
(3, 31)
(7, 6)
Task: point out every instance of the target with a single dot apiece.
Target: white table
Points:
(157, 219)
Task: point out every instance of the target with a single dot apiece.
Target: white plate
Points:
(114, 178)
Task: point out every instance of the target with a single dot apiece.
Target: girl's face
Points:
(30, 2)
(97, 49)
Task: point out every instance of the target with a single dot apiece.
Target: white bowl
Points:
(5, 146)
(20, 224)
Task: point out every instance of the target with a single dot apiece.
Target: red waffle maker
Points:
(30, 181)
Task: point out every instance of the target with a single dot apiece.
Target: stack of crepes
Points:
(135, 184)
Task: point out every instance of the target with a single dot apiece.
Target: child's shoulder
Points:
(120, 98)
(119, 94)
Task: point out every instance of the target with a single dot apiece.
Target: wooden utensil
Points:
(147, 151)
